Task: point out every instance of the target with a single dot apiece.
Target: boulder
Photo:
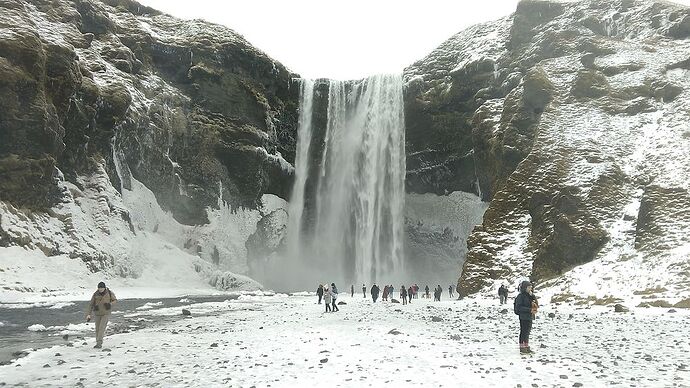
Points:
(619, 308)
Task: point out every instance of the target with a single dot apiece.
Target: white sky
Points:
(343, 39)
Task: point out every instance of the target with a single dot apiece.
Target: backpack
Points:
(515, 306)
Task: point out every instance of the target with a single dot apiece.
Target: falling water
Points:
(346, 209)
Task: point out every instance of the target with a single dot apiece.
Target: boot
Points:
(525, 349)
(97, 346)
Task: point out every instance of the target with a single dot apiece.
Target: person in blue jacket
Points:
(526, 308)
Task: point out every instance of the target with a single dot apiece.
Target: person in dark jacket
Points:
(364, 290)
(319, 292)
(352, 291)
(426, 291)
(525, 307)
(334, 295)
(374, 292)
(403, 294)
(450, 291)
(503, 293)
(410, 294)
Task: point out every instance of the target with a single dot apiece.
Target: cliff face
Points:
(188, 108)
(110, 109)
(571, 119)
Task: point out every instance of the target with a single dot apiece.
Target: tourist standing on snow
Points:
(101, 305)
(410, 294)
(403, 294)
(503, 293)
(384, 297)
(364, 291)
(375, 292)
(352, 291)
(319, 292)
(327, 298)
(426, 291)
(526, 308)
(450, 291)
(334, 294)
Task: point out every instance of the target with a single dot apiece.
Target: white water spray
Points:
(346, 215)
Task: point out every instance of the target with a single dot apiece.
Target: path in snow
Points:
(288, 341)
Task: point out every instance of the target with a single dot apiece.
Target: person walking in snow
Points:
(384, 297)
(416, 290)
(327, 298)
(334, 295)
(319, 292)
(364, 291)
(426, 291)
(403, 294)
(450, 291)
(352, 291)
(525, 306)
(101, 305)
(374, 292)
(410, 294)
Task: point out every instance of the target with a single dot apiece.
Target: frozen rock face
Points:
(571, 119)
(183, 105)
(119, 124)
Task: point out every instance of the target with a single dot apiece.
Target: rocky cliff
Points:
(571, 120)
(101, 95)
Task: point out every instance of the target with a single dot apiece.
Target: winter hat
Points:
(524, 285)
(101, 285)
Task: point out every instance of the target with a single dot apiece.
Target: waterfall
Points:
(346, 210)
(304, 134)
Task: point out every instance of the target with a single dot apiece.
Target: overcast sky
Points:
(343, 39)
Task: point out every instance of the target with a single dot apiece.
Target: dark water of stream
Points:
(16, 338)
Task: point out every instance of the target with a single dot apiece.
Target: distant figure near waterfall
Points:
(327, 298)
(426, 291)
(375, 292)
(403, 294)
(410, 294)
(364, 291)
(450, 291)
(352, 291)
(384, 297)
(334, 294)
(319, 292)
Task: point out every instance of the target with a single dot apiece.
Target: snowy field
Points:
(279, 341)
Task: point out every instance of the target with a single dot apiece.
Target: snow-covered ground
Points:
(289, 341)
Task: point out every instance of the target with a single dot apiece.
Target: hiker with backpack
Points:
(101, 306)
(525, 306)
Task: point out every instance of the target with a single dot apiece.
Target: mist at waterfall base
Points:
(346, 222)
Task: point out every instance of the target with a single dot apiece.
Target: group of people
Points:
(329, 296)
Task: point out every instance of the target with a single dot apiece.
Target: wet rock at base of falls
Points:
(395, 301)
(341, 303)
(394, 332)
(186, 312)
(436, 319)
